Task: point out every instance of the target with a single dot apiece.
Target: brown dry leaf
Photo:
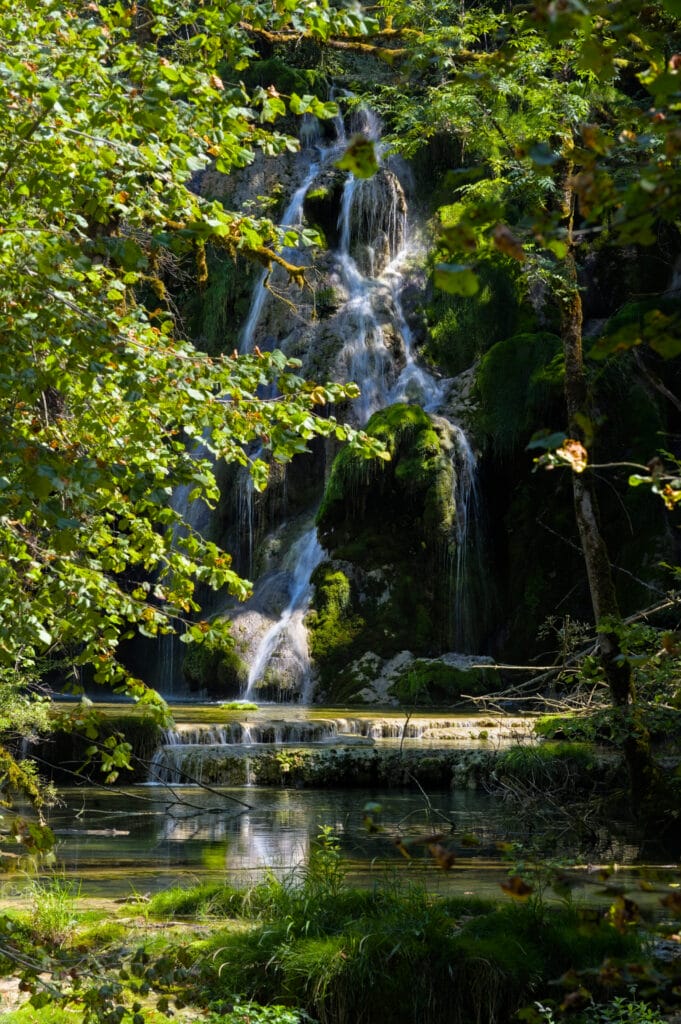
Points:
(517, 888)
(444, 857)
(672, 901)
(574, 452)
(506, 242)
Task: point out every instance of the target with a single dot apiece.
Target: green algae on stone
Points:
(389, 529)
(518, 381)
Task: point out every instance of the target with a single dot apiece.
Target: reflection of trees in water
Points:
(260, 837)
(175, 829)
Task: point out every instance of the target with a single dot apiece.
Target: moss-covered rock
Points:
(519, 383)
(461, 329)
(214, 672)
(361, 491)
(390, 528)
(333, 629)
(441, 681)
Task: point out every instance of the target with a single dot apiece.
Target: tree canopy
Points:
(110, 109)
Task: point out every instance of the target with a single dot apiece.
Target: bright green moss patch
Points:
(214, 671)
(517, 381)
(461, 329)
(436, 682)
(390, 530)
(332, 627)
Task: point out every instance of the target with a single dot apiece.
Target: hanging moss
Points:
(632, 423)
(220, 672)
(360, 492)
(389, 529)
(286, 78)
(518, 382)
(213, 315)
(462, 328)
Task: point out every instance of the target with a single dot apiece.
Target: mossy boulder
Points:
(390, 529)
(519, 383)
(415, 487)
(463, 328)
(215, 672)
(441, 681)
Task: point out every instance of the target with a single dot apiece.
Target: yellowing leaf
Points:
(517, 888)
(359, 158)
(456, 279)
(574, 453)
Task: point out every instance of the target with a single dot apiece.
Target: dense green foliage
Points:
(105, 406)
(313, 942)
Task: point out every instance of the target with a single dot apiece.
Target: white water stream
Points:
(286, 639)
(372, 258)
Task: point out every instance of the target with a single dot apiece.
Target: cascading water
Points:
(466, 505)
(291, 218)
(368, 269)
(197, 515)
(374, 347)
(285, 641)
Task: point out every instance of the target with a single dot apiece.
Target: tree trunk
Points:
(598, 569)
(643, 776)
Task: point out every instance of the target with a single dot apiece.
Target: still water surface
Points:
(117, 842)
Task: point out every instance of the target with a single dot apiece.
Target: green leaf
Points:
(456, 279)
(546, 442)
(635, 480)
(359, 158)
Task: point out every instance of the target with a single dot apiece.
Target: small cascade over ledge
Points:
(222, 754)
(282, 654)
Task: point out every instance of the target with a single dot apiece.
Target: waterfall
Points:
(377, 351)
(466, 506)
(291, 218)
(373, 222)
(197, 515)
(368, 340)
(286, 640)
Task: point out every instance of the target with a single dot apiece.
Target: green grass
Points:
(206, 900)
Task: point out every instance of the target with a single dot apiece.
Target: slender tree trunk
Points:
(643, 777)
(598, 569)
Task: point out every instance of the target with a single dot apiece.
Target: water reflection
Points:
(146, 838)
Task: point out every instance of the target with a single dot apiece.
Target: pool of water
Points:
(118, 842)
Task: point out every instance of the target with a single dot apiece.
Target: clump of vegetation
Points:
(462, 328)
(518, 380)
(207, 900)
(214, 670)
(53, 916)
(333, 627)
